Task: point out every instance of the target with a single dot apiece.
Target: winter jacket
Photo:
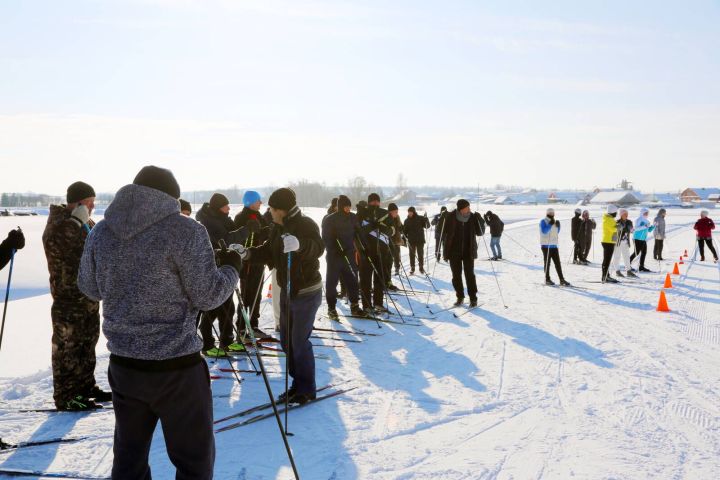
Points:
(659, 223)
(459, 238)
(397, 237)
(414, 229)
(245, 236)
(438, 222)
(642, 228)
(376, 228)
(586, 229)
(496, 225)
(575, 224)
(610, 229)
(305, 273)
(704, 227)
(549, 234)
(625, 228)
(218, 225)
(342, 227)
(64, 240)
(154, 269)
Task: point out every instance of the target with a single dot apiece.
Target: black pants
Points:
(466, 265)
(585, 248)
(416, 250)
(395, 251)
(372, 285)
(438, 253)
(640, 251)
(224, 315)
(608, 250)
(182, 401)
(250, 283)
(554, 255)
(701, 246)
(577, 251)
(339, 270)
(296, 326)
(657, 249)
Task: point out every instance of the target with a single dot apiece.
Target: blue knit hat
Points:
(250, 197)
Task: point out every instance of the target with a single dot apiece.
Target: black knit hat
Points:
(334, 202)
(282, 199)
(443, 209)
(488, 213)
(158, 178)
(218, 200)
(392, 207)
(343, 202)
(373, 197)
(412, 209)
(462, 203)
(79, 191)
(361, 204)
(185, 205)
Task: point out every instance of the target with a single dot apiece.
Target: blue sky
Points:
(231, 92)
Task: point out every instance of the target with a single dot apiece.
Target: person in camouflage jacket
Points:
(75, 317)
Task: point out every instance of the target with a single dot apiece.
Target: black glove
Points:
(253, 226)
(15, 239)
(229, 257)
(557, 222)
(552, 221)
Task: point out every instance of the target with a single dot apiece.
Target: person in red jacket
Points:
(704, 228)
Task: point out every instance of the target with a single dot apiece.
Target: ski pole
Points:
(521, 245)
(7, 295)
(385, 282)
(288, 358)
(495, 273)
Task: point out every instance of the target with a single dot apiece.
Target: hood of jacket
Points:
(136, 208)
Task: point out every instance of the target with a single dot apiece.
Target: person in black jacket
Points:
(214, 216)
(295, 238)
(496, 229)
(253, 230)
(338, 233)
(414, 228)
(575, 224)
(376, 229)
(14, 241)
(438, 223)
(462, 227)
(585, 236)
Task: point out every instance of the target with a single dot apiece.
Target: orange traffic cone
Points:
(676, 270)
(668, 282)
(662, 303)
(681, 261)
(685, 255)
(269, 295)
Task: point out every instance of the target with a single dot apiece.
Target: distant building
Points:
(620, 198)
(695, 194)
(714, 197)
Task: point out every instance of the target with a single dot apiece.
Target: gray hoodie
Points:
(659, 227)
(154, 269)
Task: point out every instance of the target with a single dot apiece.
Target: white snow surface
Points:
(588, 383)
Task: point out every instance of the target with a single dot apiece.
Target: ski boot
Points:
(356, 311)
(564, 283)
(381, 309)
(333, 314)
(99, 395)
(631, 274)
(79, 403)
(459, 301)
(473, 302)
(214, 352)
(549, 282)
(422, 271)
(236, 347)
(618, 273)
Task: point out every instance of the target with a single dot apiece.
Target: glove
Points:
(290, 243)
(241, 250)
(229, 257)
(253, 226)
(15, 239)
(552, 221)
(81, 215)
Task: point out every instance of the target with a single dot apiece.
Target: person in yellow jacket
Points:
(609, 241)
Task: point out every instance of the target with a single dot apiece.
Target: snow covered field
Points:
(585, 383)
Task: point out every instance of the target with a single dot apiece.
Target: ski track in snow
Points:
(565, 383)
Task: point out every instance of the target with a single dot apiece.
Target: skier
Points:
(610, 239)
(214, 216)
(575, 224)
(461, 227)
(659, 223)
(549, 235)
(154, 269)
(338, 234)
(253, 230)
(585, 237)
(298, 236)
(376, 227)
(75, 317)
(414, 229)
(438, 223)
(625, 230)
(397, 240)
(14, 241)
(703, 228)
(185, 208)
(642, 228)
(496, 229)
(332, 209)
